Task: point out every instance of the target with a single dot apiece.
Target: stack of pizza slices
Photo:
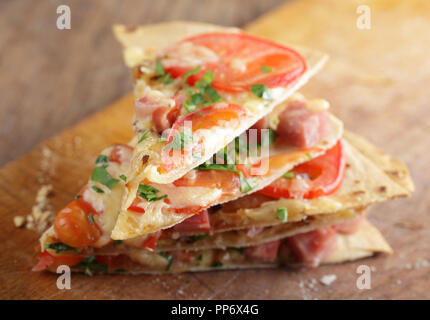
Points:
(230, 167)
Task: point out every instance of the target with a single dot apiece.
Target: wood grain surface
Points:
(377, 81)
(50, 79)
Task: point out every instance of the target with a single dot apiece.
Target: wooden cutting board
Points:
(378, 82)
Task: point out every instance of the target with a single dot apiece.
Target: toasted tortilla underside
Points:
(130, 224)
(364, 243)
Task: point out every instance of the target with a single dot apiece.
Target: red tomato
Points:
(220, 114)
(135, 206)
(151, 241)
(325, 177)
(240, 59)
(73, 226)
(116, 155)
(47, 260)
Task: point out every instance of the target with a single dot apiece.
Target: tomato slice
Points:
(324, 175)
(135, 206)
(74, 227)
(116, 155)
(150, 241)
(220, 114)
(45, 260)
(238, 63)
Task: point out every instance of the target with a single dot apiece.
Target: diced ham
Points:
(301, 127)
(159, 108)
(253, 231)
(266, 252)
(150, 101)
(350, 226)
(160, 120)
(314, 246)
(196, 223)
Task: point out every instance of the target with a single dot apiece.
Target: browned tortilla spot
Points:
(382, 188)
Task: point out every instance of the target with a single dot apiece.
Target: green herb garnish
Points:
(117, 241)
(309, 155)
(282, 214)
(180, 140)
(261, 91)
(91, 218)
(289, 175)
(240, 250)
(97, 189)
(168, 258)
(149, 193)
(60, 247)
(217, 264)
(90, 264)
(199, 237)
(159, 70)
(77, 197)
(123, 178)
(101, 175)
(190, 73)
(143, 137)
(200, 257)
(246, 184)
(102, 159)
(266, 69)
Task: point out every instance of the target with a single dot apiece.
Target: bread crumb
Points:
(328, 279)
(41, 215)
(18, 221)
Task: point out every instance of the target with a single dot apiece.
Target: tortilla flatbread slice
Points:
(141, 45)
(364, 243)
(161, 215)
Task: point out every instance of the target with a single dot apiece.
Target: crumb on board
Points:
(41, 215)
(328, 279)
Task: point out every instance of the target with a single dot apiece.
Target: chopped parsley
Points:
(261, 91)
(240, 250)
(180, 140)
(308, 155)
(90, 264)
(168, 258)
(282, 214)
(77, 197)
(190, 73)
(149, 193)
(200, 257)
(91, 218)
(143, 137)
(212, 94)
(102, 159)
(203, 94)
(161, 74)
(159, 70)
(266, 69)
(199, 237)
(60, 247)
(101, 175)
(97, 189)
(289, 175)
(217, 264)
(246, 184)
(123, 178)
(117, 241)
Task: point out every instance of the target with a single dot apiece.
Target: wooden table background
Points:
(377, 81)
